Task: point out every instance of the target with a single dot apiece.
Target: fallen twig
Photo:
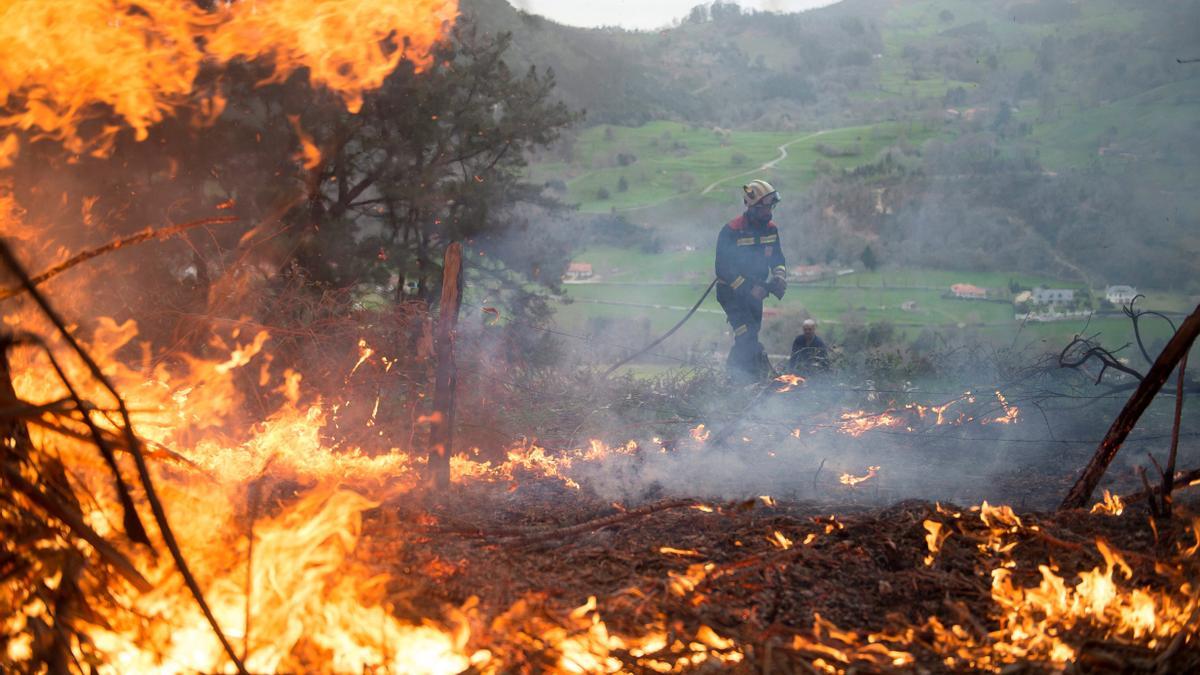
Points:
(1182, 479)
(600, 523)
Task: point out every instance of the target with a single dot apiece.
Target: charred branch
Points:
(1135, 316)
(1171, 355)
(1080, 350)
(143, 236)
(1168, 482)
(156, 506)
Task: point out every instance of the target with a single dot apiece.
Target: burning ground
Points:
(320, 558)
(774, 587)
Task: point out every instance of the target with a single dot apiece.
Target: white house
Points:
(1120, 295)
(1053, 296)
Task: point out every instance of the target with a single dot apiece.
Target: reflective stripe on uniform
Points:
(769, 239)
(740, 330)
(737, 282)
(745, 241)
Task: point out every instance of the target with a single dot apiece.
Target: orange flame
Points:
(936, 537)
(1111, 505)
(850, 480)
(857, 422)
(788, 382)
(67, 62)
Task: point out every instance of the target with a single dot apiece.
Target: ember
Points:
(850, 480)
(916, 416)
(788, 383)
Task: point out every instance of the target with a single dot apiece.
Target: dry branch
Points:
(107, 552)
(144, 235)
(1171, 355)
(1180, 480)
(134, 444)
(1168, 482)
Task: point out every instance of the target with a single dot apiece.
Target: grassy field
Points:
(623, 265)
(1074, 140)
(661, 161)
(644, 294)
(641, 313)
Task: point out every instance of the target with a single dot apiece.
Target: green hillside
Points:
(1046, 142)
(662, 161)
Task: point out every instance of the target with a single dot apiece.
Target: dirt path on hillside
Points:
(783, 153)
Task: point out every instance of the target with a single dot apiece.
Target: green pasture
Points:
(936, 25)
(611, 264)
(669, 160)
(1074, 140)
(644, 309)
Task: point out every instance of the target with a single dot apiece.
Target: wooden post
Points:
(441, 431)
(1171, 355)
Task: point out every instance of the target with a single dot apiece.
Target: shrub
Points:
(684, 182)
(833, 151)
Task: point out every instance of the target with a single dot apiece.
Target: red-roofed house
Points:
(968, 292)
(577, 271)
(810, 272)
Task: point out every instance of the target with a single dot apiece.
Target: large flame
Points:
(69, 62)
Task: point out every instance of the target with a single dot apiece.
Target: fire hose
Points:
(666, 335)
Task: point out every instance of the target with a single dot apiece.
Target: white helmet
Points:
(759, 192)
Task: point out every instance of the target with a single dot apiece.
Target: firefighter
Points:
(750, 265)
(809, 353)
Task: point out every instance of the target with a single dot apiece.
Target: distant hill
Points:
(1038, 132)
(862, 61)
(728, 68)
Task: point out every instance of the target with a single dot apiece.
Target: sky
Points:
(641, 14)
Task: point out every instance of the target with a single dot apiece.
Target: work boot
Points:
(763, 368)
(742, 363)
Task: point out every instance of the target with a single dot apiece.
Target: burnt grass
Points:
(524, 555)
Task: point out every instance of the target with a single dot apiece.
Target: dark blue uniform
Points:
(747, 255)
(808, 356)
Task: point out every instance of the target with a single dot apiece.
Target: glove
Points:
(758, 292)
(777, 286)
